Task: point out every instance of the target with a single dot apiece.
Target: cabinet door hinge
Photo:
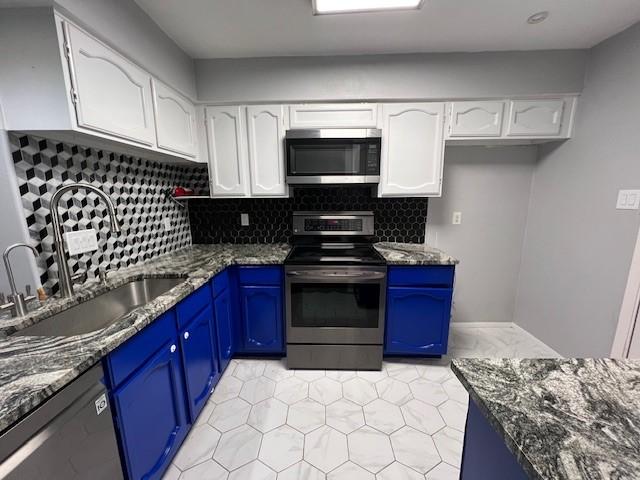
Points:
(67, 50)
(74, 96)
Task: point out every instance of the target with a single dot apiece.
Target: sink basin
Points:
(103, 310)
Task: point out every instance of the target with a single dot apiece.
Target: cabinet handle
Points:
(172, 349)
(186, 335)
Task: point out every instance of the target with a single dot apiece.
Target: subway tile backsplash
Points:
(135, 185)
(218, 220)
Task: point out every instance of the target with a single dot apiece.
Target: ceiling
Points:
(259, 28)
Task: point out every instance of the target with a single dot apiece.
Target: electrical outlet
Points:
(628, 200)
(81, 241)
(457, 218)
(244, 219)
(167, 224)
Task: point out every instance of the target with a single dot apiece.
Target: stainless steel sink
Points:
(103, 310)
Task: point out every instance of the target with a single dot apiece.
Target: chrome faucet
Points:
(17, 298)
(64, 275)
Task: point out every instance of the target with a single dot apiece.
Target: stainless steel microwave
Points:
(333, 156)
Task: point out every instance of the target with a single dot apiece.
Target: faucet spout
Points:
(17, 297)
(64, 277)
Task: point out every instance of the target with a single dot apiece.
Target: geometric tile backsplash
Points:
(136, 186)
(218, 220)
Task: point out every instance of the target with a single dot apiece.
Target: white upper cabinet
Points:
(111, 94)
(226, 134)
(175, 120)
(333, 115)
(265, 133)
(476, 119)
(412, 149)
(535, 118)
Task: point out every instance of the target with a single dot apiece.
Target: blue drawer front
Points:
(260, 275)
(192, 305)
(128, 357)
(220, 282)
(430, 276)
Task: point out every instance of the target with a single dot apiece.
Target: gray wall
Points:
(578, 247)
(14, 228)
(380, 77)
(491, 187)
(125, 26)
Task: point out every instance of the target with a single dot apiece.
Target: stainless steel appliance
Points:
(335, 292)
(333, 156)
(71, 436)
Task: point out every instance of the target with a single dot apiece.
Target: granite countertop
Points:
(413, 254)
(33, 368)
(562, 418)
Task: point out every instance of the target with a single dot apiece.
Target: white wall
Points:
(125, 26)
(14, 228)
(491, 187)
(578, 247)
(382, 77)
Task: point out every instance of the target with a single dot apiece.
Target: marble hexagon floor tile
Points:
(268, 414)
(370, 449)
(233, 439)
(238, 447)
(306, 415)
(383, 416)
(229, 415)
(345, 416)
(326, 448)
(415, 449)
(350, 471)
(281, 448)
(394, 391)
(200, 445)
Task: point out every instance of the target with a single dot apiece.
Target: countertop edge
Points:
(511, 444)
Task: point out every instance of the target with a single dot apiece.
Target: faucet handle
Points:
(79, 277)
(27, 290)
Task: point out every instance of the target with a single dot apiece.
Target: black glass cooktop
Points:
(337, 254)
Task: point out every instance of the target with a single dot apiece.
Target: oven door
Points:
(335, 305)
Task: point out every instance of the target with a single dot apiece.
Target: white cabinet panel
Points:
(265, 128)
(226, 135)
(338, 115)
(412, 149)
(476, 119)
(175, 120)
(535, 118)
(112, 94)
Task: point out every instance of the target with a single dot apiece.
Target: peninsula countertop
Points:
(561, 418)
(34, 368)
(413, 254)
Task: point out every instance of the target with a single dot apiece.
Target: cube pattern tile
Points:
(136, 186)
(311, 428)
(218, 220)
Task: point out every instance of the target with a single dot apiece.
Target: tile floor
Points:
(406, 422)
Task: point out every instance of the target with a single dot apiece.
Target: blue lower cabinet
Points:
(200, 360)
(417, 321)
(223, 313)
(261, 319)
(150, 414)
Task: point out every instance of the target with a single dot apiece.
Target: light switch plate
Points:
(628, 200)
(81, 241)
(456, 219)
(244, 219)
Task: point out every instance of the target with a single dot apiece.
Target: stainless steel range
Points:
(335, 292)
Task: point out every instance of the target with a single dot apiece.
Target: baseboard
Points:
(483, 324)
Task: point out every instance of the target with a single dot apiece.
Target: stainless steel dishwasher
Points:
(70, 436)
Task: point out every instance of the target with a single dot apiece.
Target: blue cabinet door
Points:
(261, 312)
(224, 328)
(200, 360)
(150, 414)
(417, 321)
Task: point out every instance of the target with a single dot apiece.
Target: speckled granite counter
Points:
(33, 368)
(413, 254)
(562, 419)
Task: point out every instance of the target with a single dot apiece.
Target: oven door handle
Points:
(325, 275)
